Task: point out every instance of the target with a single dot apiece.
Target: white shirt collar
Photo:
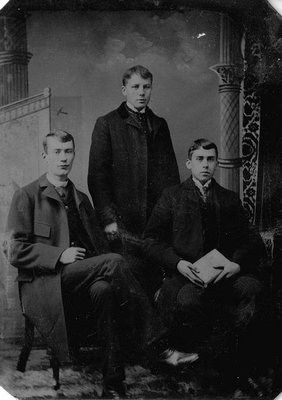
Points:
(135, 109)
(56, 182)
(199, 185)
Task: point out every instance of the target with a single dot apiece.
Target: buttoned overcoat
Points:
(38, 233)
(119, 165)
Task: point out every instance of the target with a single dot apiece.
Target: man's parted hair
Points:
(138, 70)
(62, 137)
(205, 144)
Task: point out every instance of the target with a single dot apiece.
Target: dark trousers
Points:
(100, 286)
(188, 312)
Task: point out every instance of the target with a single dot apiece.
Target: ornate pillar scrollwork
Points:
(229, 89)
(255, 48)
(230, 71)
(14, 59)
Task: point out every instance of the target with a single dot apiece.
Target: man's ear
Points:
(44, 155)
(188, 164)
(123, 90)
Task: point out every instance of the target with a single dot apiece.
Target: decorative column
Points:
(230, 72)
(14, 59)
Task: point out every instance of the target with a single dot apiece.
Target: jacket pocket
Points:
(41, 229)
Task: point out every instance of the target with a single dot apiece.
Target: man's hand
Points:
(111, 231)
(229, 270)
(72, 254)
(186, 269)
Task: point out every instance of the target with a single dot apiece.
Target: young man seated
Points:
(190, 220)
(64, 263)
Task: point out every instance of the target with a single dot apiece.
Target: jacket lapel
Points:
(125, 131)
(191, 220)
(48, 189)
(79, 201)
(90, 228)
(154, 122)
(77, 197)
(216, 202)
(216, 196)
(127, 117)
(131, 121)
(191, 198)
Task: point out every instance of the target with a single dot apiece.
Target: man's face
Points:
(59, 158)
(137, 91)
(202, 164)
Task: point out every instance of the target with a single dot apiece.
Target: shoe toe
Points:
(175, 358)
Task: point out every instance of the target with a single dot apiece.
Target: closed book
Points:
(210, 266)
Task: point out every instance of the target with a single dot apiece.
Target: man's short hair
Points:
(62, 137)
(205, 144)
(138, 70)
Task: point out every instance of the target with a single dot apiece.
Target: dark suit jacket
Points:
(174, 231)
(118, 167)
(38, 234)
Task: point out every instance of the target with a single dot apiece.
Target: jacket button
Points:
(66, 207)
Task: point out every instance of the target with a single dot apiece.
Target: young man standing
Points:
(131, 158)
(63, 261)
(189, 221)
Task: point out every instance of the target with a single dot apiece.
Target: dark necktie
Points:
(205, 193)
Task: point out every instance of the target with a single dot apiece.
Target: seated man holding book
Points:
(199, 233)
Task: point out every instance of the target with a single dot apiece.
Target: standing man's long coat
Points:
(38, 235)
(118, 167)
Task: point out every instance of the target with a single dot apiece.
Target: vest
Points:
(209, 221)
(78, 234)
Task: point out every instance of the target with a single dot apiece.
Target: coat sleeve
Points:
(249, 247)
(100, 172)
(157, 244)
(20, 247)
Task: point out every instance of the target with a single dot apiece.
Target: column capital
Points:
(230, 75)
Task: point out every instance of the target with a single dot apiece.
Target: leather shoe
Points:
(176, 358)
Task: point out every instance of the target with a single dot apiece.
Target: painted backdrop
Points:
(81, 56)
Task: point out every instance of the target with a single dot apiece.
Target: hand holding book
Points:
(229, 270)
(190, 272)
(214, 266)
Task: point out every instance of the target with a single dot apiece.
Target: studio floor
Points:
(84, 382)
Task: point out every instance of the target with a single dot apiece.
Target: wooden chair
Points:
(85, 340)
(26, 349)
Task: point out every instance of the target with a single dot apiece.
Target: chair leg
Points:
(55, 365)
(26, 349)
